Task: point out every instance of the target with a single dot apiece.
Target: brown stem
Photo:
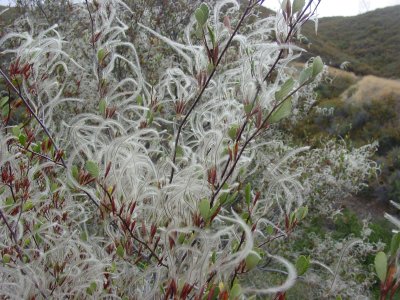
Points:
(12, 232)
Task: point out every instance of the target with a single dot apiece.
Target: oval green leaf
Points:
(236, 291)
(302, 265)
(381, 265)
(286, 88)
(252, 260)
(204, 208)
(92, 168)
(120, 251)
(395, 244)
(317, 66)
(282, 112)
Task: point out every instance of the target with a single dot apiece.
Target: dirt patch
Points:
(367, 209)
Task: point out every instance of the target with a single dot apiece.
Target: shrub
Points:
(116, 186)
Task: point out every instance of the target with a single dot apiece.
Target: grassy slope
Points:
(8, 16)
(369, 41)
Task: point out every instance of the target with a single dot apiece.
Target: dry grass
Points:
(335, 72)
(372, 88)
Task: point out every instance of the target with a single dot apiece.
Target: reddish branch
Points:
(26, 103)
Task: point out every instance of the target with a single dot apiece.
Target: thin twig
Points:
(247, 142)
(196, 101)
(128, 229)
(26, 103)
(91, 27)
(40, 155)
(43, 12)
(258, 90)
(12, 232)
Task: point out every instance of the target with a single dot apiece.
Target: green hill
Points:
(370, 42)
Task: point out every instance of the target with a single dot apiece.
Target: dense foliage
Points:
(142, 163)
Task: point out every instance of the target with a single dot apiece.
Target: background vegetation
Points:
(352, 110)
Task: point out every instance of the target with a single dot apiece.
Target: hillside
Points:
(7, 15)
(370, 42)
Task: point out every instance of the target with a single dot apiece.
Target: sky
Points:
(329, 8)
(332, 7)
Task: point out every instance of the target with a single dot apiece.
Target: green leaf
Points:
(2, 190)
(113, 267)
(179, 151)
(28, 205)
(270, 229)
(201, 14)
(214, 257)
(101, 54)
(150, 117)
(17, 81)
(38, 238)
(84, 236)
(305, 75)
(395, 244)
(120, 251)
(181, 238)
(204, 208)
(247, 192)
(204, 8)
(298, 5)
(92, 168)
(200, 17)
(317, 66)
(302, 265)
(252, 260)
(212, 36)
(232, 131)
(232, 198)
(6, 258)
(139, 100)
(248, 108)
(102, 106)
(16, 130)
(75, 172)
(22, 138)
(292, 217)
(236, 291)
(301, 212)
(282, 112)
(9, 201)
(53, 187)
(3, 101)
(381, 265)
(36, 147)
(199, 31)
(286, 88)
(92, 288)
(223, 198)
(5, 110)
